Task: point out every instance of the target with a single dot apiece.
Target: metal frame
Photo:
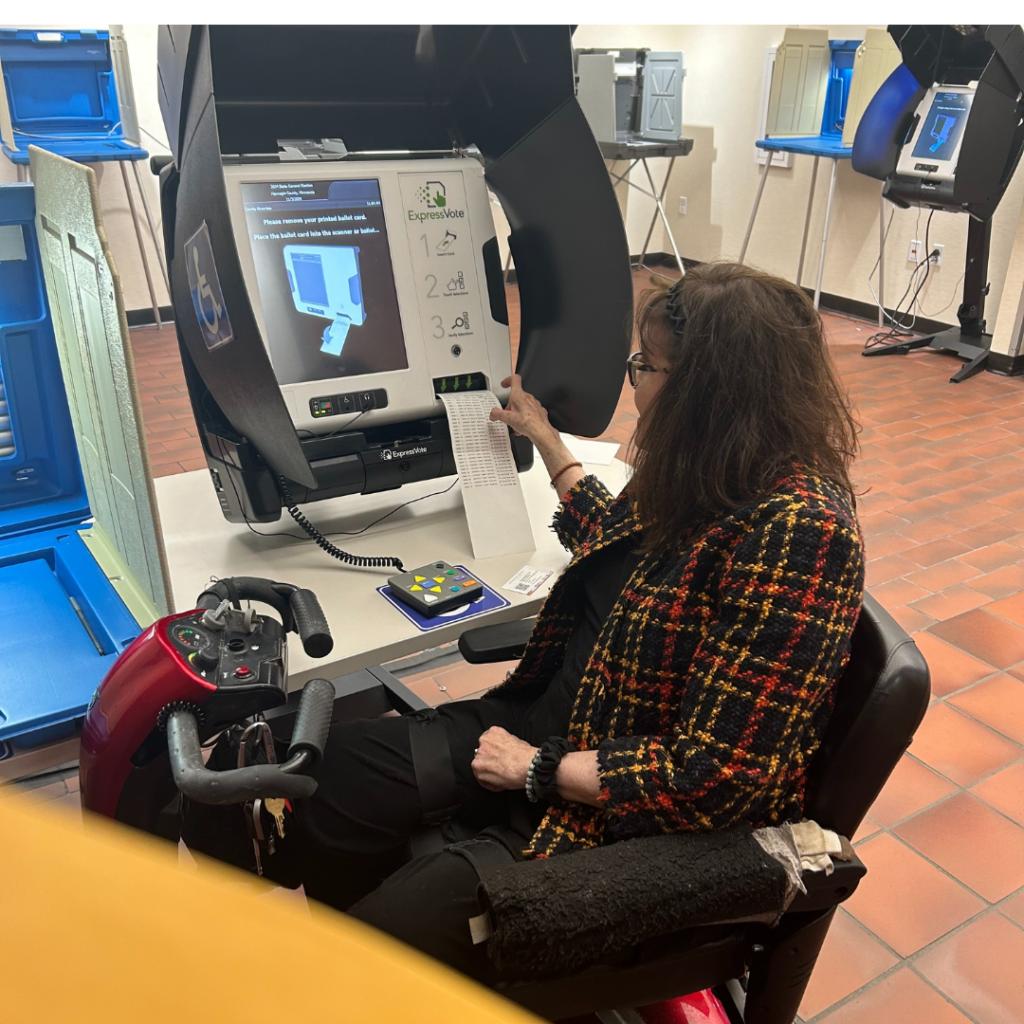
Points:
(658, 197)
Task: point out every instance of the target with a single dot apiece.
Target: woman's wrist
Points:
(556, 455)
(578, 778)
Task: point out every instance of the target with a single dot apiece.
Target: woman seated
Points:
(680, 674)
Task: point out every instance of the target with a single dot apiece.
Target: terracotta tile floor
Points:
(935, 934)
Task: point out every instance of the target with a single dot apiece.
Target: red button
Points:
(243, 672)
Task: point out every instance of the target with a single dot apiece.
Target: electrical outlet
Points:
(914, 255)
(682, 205)
(937, 258)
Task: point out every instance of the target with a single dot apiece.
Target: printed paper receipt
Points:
(495, 507)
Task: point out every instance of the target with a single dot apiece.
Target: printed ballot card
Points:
(499, 523)
(489, 601)
(528, 580)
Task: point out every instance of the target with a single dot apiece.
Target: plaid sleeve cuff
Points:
(631, 771)
(580, 511)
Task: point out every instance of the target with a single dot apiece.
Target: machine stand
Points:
(969, 341)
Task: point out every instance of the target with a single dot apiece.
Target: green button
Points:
(451, 572)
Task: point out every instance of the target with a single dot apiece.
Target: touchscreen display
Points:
(323, 268)
(944, 125)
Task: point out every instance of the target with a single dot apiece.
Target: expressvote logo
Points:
(432, 195)
(388, 454)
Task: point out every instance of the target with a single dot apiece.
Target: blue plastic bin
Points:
(62, 95)
(62, 624)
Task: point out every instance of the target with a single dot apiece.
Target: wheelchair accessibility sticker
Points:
(207, 296)
(487, 602)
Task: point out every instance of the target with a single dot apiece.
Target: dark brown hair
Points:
(752, 396)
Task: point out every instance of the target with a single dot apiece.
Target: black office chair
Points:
(761, 973)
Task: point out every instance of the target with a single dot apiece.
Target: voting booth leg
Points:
(660, 211)
(807, 221)
(157, 240)
(22, 172)
(142, 244)
(881, 257)
(757, 202)
(824, 232)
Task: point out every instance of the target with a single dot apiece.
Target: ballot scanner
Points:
(333, 257)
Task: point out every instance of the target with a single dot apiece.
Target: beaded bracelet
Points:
(540, 776)
(565, 468)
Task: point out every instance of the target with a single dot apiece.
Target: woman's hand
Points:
(501, 760)
(526, 416)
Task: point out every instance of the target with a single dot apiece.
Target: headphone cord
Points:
(360, 561)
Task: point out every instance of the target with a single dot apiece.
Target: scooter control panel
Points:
(231, 650)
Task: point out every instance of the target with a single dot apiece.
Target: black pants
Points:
(379, 784)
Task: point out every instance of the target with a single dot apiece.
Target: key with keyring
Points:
(257, 827)
(275, 807)
(251, 811)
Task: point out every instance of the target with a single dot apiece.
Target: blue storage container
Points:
(62, 624)
(62, 95)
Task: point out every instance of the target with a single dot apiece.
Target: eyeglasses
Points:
(635, 366)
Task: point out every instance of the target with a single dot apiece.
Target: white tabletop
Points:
(367, 630)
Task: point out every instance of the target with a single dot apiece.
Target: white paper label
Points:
(528, 580)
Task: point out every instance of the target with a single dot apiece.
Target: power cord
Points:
(342, 533)
(900, 329)
(359, 561)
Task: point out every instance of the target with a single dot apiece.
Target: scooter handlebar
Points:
(313, 721)
(311, 625)
(236, 786)
(299, 609)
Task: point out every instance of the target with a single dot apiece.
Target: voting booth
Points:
(335, 272)
(945, 131)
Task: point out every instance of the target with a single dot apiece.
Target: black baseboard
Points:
(869, 311)
(1004, 365)
(144, 317)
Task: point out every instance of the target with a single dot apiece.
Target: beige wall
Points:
(721, 98)
(721, 105)
(141, 40)
(1011, 307)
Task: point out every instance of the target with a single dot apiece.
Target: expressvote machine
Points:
(945, 131)
(333, 257)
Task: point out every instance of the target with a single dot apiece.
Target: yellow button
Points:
(436, 589)
(439, 579)
(415, 587)
(419, 579)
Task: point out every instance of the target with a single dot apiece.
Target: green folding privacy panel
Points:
(96, 358)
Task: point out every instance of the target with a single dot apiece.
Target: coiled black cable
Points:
(360, 561)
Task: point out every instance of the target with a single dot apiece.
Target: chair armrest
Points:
(504, 641)
(824, 891)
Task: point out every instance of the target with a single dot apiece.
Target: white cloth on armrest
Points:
(816, 846)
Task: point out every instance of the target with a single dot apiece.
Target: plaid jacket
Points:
(711, 684)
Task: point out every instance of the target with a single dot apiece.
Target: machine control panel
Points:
(230, 653)
(435, 588)
(358, 401)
